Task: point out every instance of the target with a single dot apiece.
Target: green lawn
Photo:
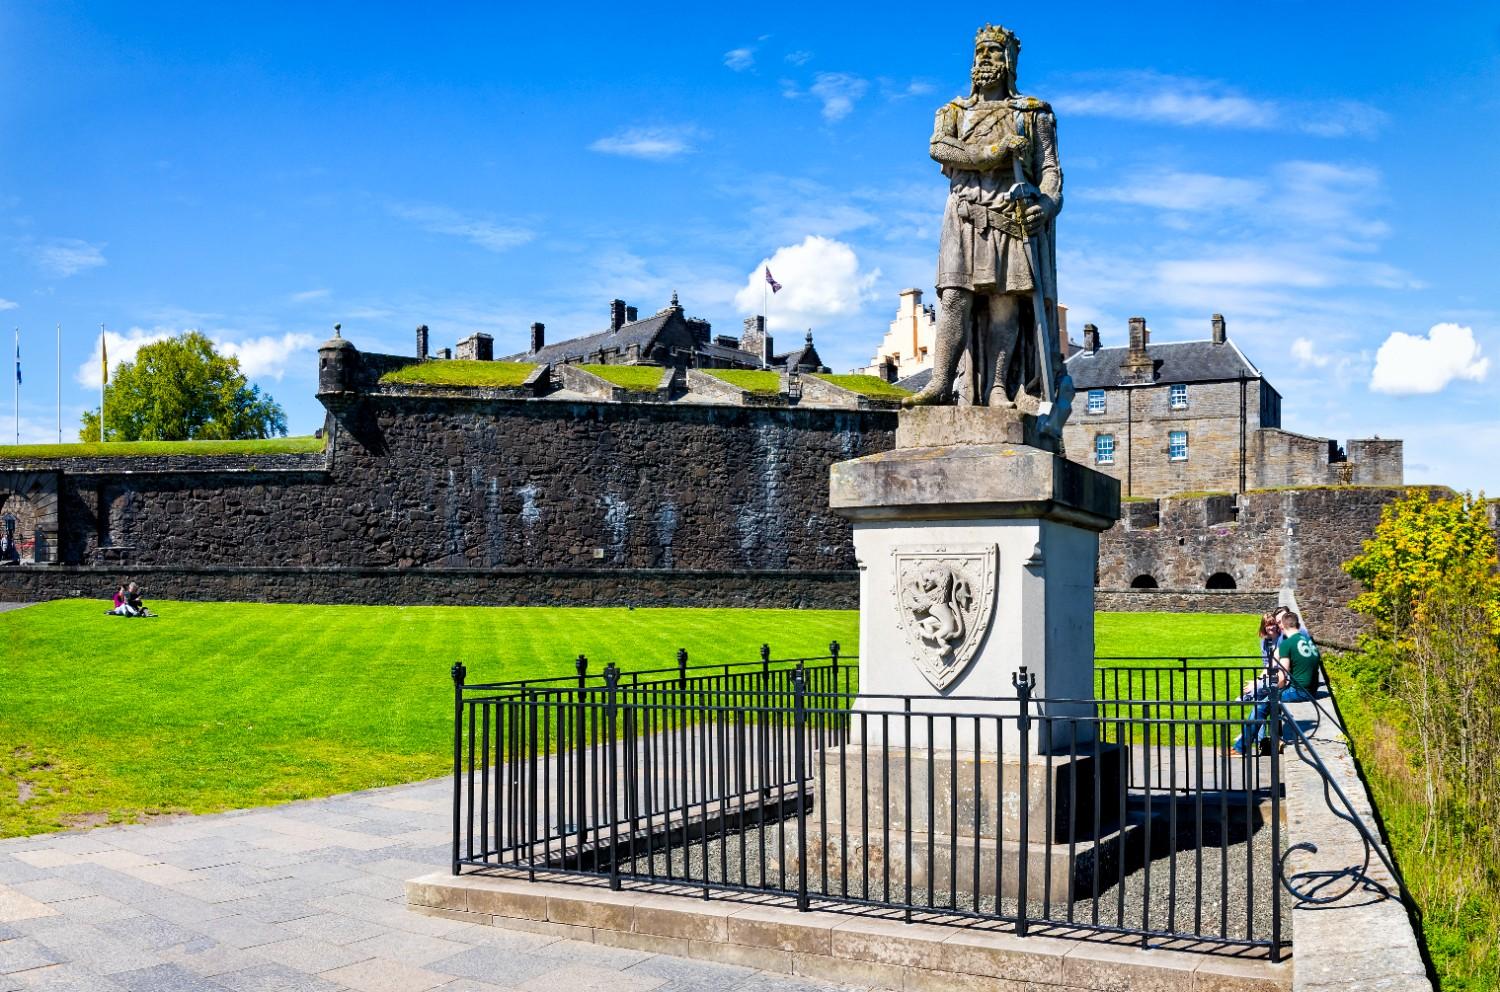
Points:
(260, 446)
(752, 380)
(216, 706)
(869, 385)
(636, 378)
(460, 372)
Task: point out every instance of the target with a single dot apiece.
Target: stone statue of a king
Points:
(997, 342)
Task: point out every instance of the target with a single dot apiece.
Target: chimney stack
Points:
(421, 341)
(538, 337)
(616, 315)
(1090, 338)
(631, 315)
(1138, 366)
(753, 339)
(1220, 336)
(1139, 336)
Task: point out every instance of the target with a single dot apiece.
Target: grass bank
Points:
(121, 449)
(868, 385)
(217, 706)
(636, 378)
(460, 372)
(750, 380)
(1457, 892)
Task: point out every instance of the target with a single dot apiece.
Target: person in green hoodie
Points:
(1296, 671)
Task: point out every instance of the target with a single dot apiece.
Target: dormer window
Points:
(1177, 396)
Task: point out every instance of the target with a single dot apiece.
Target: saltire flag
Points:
(770, 281)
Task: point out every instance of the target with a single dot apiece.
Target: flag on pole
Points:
(18, 356)
(103, 360)
(775, 286)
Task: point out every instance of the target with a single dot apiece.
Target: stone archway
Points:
(29, 500)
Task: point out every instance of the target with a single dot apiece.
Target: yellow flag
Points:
(104, 358)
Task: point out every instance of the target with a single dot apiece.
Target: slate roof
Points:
(641, 332)
(917, 381)
(1176, 361)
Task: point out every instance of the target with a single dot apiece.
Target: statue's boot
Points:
(947, 348)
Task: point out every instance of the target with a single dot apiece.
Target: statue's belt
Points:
(983, 218)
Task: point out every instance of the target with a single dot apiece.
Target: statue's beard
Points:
(986, 76)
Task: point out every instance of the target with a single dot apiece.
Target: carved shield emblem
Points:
(945, 596)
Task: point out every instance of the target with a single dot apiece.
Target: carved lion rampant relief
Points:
(945, 596)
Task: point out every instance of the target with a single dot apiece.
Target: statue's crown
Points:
(999, 35)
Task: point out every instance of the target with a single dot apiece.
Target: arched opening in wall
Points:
(1143, 582)
(1221, 580)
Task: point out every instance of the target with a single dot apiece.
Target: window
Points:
(1104, 449)
(1143, 582)
(1096, 401)
(1221, 580)
(1177, 397)
(1177, 446)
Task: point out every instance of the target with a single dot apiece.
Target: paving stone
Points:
(87, 945)
(25, 953)
(52, 889)
(273, 909)
(210, 958)
(96, 909)
(16, 906)
(472, 985)
(684, 975)
(185, 910)
(275, 978)
(241, 931)
(12, 871)
(594, 954)
(495, 964)
(589, 978)
(413, 948)
(150, 932)
(306, 954)
(166, 978)
(384, 975)
(333, 928)
(65, 978)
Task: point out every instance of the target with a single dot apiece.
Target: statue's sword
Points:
(1021, 194)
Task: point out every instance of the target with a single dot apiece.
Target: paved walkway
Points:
(7, 607)
(299, 898)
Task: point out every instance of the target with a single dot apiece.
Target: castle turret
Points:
(338, 364)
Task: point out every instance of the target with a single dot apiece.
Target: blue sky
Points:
(1322, 174)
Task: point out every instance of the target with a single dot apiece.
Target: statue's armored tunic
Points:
(982, 246)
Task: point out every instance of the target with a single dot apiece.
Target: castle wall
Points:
(413, 484)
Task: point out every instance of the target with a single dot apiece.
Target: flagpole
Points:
(59, 382)
(103, 377)
(17, 391)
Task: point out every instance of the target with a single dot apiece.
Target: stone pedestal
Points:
(977, 544)
(977, 556)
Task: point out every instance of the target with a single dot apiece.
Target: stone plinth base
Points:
(942, 426)
(957, 823)
(867, 950)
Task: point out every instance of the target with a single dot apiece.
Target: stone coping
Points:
(868, 950)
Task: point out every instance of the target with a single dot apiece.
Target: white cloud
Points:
(821, 278)
(1305, 352)
(310, 294)
(1187, 102)
(266, 357)
(740, 59)
(8, 304)
(798, 57)
(477, 230)
(647, 142)
(837, 91)
(122, 348)
(1411, 364)
(63, 257)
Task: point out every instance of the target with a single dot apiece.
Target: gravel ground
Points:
(1213, 878)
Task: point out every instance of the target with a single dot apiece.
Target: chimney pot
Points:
(616, 314)
(1220, 335)
(631, 315)
(538, 337)
(1090, 338)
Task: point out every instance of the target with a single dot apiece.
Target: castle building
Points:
(667, 337)
(1198, 416)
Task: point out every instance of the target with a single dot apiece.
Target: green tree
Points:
(181, 389)
(1419, 544)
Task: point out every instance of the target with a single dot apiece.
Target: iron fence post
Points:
(799, 706)
(1276, 860)
(459, 674)
(1023, 683)
(611, 680)
(580, 755)
(764, 720)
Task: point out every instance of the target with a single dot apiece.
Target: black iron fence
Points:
(1125, 814)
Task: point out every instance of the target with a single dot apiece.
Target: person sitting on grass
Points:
(133, 600)
(119, 608)
(1296, 673)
